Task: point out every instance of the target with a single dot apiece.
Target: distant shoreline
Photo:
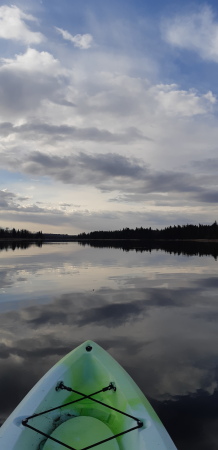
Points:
(76, 239)
(185, 233)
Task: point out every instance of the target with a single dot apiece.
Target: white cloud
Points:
(32, 61)
(31, 78)
(174, 101)
(82, 41)
(13, 26)
(197, 32)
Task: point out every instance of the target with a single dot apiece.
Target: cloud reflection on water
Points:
(162, 336)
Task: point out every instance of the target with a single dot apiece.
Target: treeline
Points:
(168, 233)
(6, 233)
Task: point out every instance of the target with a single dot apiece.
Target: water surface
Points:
(155, 312)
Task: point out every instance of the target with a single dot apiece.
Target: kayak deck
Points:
(87, 400)
(85, 429)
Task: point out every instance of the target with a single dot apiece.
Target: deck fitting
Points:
(89, 348)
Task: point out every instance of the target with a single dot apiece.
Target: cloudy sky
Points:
(108, 114)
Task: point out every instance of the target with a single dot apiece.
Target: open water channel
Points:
(155, 312)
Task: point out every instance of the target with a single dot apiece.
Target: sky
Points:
(108, 114)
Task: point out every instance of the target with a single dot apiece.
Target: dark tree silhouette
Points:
(184, 232)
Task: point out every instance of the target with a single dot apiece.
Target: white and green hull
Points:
(80, 425)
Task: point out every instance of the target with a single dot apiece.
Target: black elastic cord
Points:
(83, 396)
(112, 437)
(50, 437)
(90, 446)
(101, 403)
(65, 404)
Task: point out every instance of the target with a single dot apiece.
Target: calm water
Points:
(155, 312)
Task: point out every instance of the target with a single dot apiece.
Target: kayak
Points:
(86, 401)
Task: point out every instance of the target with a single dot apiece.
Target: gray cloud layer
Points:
(38, 129)
(81, 168)
(111, 172)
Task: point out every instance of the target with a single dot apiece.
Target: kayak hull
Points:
(61, 407)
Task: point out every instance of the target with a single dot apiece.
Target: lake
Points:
(156, 312)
